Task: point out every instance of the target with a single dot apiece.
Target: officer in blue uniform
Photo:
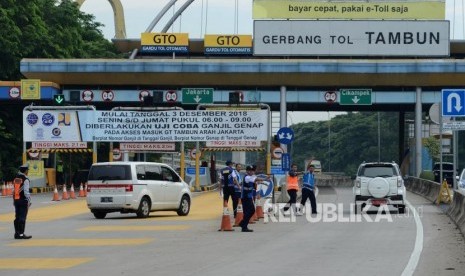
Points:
(248, 188)
(228, 181)
(21, 201)
(237, 187)
(308, 188)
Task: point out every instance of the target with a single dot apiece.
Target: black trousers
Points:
(249, 210)
(293, 199)
(228, 191)
(21, 208)
(308, 194)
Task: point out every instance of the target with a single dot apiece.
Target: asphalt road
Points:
(68, 240)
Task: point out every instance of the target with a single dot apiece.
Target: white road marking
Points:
(415, 256)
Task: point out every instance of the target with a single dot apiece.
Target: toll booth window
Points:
(110, 172)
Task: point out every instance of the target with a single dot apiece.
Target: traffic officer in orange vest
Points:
(292, 188)
(22, 201)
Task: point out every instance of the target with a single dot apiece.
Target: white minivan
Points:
(136, 187)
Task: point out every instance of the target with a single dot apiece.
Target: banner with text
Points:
(371, 9)
(135, 126)
(351, 38)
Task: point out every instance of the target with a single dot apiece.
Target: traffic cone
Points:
(254, 218)
(259, 210)
(65, 195)
(56, 197)
(81, 191)
(3, 189)
(85, 189)
(9, 189)
(226, 221)
(72, 194)
(239, 214)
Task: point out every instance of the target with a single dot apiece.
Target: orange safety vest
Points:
(293, 183)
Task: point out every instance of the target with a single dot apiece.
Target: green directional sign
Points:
(58, 99)
(355, 97)
(197, 95)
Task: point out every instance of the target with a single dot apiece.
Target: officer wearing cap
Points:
(228, 181)
(248, 188)
(21, 201)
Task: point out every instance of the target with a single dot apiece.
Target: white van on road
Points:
(136, 187)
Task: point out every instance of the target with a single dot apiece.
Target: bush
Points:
(427, 175)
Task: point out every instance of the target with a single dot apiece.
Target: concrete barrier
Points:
(426, 188)
(430, 190)
(457, 210)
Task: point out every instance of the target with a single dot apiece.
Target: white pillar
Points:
(418, 136)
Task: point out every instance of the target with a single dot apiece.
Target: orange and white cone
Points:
(9, 189)
(239, 214)
(259, 210)
(226, 221)
(72, 194)
(81, 191)
(56, 197)
(3, 189)
(65, 195)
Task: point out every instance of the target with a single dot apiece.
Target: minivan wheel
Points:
(184, 206)
(144, 208)
(99, 214)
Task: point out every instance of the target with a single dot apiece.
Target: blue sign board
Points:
(286, 161)
(453, 102)
(277, 170)
(191, 170)
(285, 135)
(265, 188)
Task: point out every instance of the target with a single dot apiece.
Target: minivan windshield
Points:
(110, 172)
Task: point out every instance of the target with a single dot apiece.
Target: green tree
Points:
(40, 29)
(354, 139)
(47, 29)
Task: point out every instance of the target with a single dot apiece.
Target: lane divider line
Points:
(116, 228)
(79, 242)
(41, 263)
(416, 253)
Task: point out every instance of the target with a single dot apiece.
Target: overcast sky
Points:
(218, 17)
